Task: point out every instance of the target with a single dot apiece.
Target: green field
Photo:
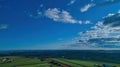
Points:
(35, 62)
(25, 62)
(81, 63)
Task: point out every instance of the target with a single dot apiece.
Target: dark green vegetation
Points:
(60, 58)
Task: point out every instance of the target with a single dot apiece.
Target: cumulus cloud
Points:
(62, 16)
(104, 34)
(3, 26)
(110, 14)
(87, 22)
(71, 2)
(101, 36)
(57, 15)
(113, 20)
(87, 7)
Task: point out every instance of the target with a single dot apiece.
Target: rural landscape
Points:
(59, 33)
(60, 58)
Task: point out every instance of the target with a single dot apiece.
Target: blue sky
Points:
(59, 24)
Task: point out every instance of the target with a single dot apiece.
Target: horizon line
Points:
(62, 49)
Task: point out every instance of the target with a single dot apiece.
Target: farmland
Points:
(59, 58)
(58, 62)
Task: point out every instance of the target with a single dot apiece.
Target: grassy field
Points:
(24, 62)
(81, 63)
(35, 62)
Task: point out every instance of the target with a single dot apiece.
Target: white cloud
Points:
(3, 26)
(100, 36)
(84, 22)
(80, 22)
(87, 22)
(112, 20)
(109, 15)
(86, 7)
(59, 16)
(90, 40)
(105, 31)
(71, 2)
(118, 11)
